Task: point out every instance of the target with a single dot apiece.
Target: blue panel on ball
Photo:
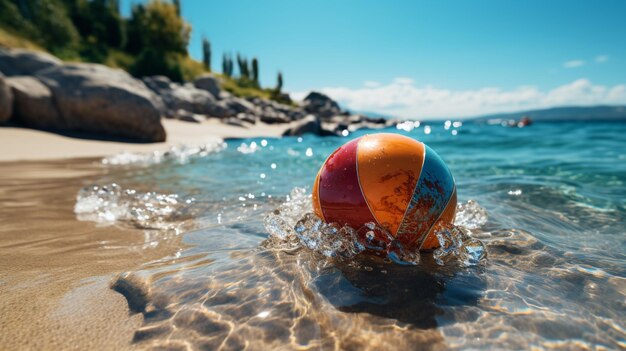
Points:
(430, 197)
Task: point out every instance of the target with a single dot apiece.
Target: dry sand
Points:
(55, 271)
(28, 144)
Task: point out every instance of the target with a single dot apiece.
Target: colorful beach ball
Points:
(391, 180)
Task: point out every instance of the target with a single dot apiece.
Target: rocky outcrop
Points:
(95, 98)
(321, 105)
(34, 104)
(186, 97)
(209, 83)
(45, 93)
(17, 62)
(6, 100)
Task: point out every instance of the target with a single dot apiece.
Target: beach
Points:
(67, 291)
(30, 144)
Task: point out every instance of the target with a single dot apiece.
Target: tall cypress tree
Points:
(206, 53)
(279, 82)
(255, 70)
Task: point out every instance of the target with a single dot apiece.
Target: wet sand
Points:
(18, 143)
(55, 271)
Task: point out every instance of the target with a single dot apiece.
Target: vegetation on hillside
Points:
(152, 41)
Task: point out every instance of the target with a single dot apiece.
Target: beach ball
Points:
(396, 182)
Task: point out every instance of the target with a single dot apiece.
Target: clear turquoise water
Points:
(554, 278)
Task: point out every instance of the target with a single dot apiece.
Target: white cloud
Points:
(574, 63)
(402, 98)
(371, 84)
(602, 58)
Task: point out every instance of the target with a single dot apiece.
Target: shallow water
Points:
(554, 278)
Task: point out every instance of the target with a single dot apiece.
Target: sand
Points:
(28, 144)
(56, 271)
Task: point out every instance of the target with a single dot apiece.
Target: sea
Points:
(545, 206)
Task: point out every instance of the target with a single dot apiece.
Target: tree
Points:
(279, 82)
(242, 62)
(134, 41)
(164, 38)
(206, 53)
(227, 65)
(162, 29)
(255, 71)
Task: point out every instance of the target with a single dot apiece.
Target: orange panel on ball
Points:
(317, 207)
(389, 167)
(446, 219)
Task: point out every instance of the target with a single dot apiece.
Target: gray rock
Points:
(209, 83)
(6, 100)
(95, 98)
(271, 116)
(17, 62)
(187, 116)
(34, 104)
(157, 83)
(321, 105)
(240, 105)
(187, 97)
(246, 117)
(309, 124)
(233, 121)
(225, 95)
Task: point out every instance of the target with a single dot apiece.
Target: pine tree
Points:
(206, 53)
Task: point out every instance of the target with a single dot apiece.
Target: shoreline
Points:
(25, 144)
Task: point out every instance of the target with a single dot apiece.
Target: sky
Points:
(425, 59)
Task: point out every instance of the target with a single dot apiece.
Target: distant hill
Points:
(569, 113)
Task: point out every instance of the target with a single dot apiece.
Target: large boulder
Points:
(321, 105)
(34, 104)
(95, 98)
(209, 83)
(6, 100)
(17, 62)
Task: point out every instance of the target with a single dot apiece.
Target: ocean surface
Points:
(547, 202)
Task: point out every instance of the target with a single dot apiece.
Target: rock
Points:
(240, 105)
(34, 104)
(6, 100)
(95, 98)
(189, 117)
(321, 105)
(209, 83)
(187, 97)
(17, 62)
(249, 118)
(225, 95)
(309, 124)
(158, 83)
(271, 116)
(233, 121)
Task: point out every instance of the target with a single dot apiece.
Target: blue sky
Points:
(426, 58)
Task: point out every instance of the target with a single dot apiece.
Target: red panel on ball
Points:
(340, 195)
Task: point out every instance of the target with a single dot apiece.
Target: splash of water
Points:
(110, 204)
(179, 154)
(293, 225)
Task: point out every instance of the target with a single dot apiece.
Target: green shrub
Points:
(152, 62)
